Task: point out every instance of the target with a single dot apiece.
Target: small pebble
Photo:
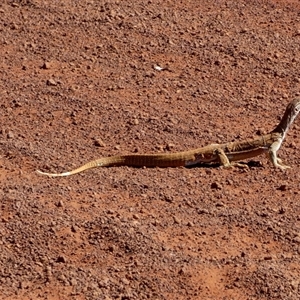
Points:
(99, 143)
(51, 82)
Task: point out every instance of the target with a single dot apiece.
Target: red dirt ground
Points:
(79, 81)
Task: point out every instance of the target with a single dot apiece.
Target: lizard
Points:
(226, 155)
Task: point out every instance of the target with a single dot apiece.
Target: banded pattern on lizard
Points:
(225, 154)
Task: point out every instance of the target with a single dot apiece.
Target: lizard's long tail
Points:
(135, 160)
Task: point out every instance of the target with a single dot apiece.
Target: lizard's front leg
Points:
(277, 162)
(272, 154)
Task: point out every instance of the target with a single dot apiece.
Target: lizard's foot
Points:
(277, 162)
(280, 165)
(235, 164)
(241, 166)
(226, 166)
(283, 167)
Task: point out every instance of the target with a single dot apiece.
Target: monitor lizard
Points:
(226, 155)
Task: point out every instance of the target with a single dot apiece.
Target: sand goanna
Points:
(224, 154)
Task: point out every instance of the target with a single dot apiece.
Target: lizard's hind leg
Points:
(225, 162)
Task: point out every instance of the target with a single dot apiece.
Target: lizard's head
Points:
(293, 108)
(295, 102)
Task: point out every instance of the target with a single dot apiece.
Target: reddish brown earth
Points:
(78, 82)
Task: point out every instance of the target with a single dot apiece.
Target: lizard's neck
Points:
(286, 121)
